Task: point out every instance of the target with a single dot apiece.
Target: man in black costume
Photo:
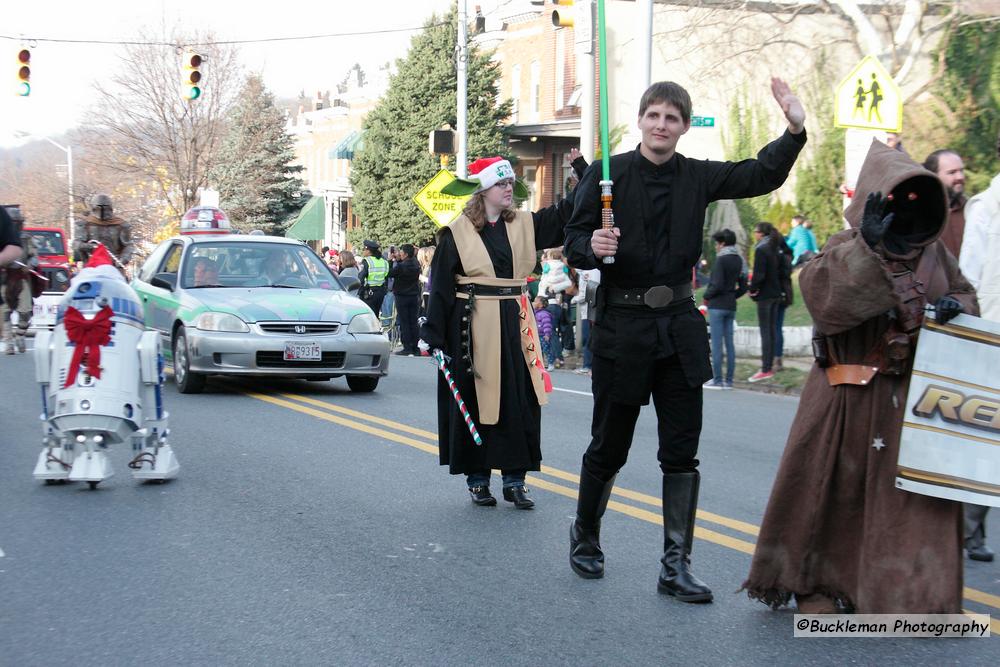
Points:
(648, 337)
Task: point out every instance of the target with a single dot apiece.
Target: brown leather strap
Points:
(856, 374)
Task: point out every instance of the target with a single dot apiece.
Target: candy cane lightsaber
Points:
(607, 214)
(443, 367)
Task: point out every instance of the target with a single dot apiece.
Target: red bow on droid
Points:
(88, 336)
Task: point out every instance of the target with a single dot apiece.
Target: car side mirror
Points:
(351, 284)
(167, 281)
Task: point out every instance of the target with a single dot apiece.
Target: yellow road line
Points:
(401, 439)
(361, 415)
(635, 512)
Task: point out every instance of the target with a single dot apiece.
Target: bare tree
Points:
(748, 35)
(146, 135)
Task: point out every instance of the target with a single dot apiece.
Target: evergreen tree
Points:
(746, 133)
(395, 163)
(971, 89)
(258, 185)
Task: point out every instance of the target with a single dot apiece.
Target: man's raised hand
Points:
(790, 105)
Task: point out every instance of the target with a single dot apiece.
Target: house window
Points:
(536, 89)
(515, 92)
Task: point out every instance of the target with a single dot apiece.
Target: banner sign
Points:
(950, 444)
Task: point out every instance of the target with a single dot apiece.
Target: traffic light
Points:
(563, 19)
(191, 75)
(24, 72)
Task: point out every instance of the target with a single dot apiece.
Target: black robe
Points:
(514, 442)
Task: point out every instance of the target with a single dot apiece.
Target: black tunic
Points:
(514, 442)
(661, 213)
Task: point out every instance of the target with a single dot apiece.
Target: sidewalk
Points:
(788, 381)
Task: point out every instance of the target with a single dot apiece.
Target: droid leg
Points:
(55, 460)
(91, 463)
(154, 458)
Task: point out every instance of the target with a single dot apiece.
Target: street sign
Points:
(702, 121)
(869, 99)
(440, 208)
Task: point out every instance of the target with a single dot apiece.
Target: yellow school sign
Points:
(439, 207)
(869, 99)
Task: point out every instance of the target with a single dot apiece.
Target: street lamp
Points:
(69, 177)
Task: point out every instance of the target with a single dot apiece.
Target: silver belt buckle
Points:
(658, 297)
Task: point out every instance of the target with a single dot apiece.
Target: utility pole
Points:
(583, 28)
(645, 34)
(462, 54)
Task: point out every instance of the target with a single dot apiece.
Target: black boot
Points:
(585, 555)
(680, 500)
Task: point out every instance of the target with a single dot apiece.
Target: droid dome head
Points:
(205, 220)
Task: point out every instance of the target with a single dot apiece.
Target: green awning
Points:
(310, 223)
(350, 145)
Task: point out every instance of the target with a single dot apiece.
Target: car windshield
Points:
(256, 264)
(48, 243)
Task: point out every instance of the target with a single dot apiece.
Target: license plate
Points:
(302, 351)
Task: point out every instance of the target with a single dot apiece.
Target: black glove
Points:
(947, 308)
(873, 225)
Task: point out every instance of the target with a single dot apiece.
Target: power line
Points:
(108, 42)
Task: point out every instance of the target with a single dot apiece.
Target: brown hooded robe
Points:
(835, 523)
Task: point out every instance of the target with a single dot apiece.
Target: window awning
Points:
(348, 146)
(309, 225)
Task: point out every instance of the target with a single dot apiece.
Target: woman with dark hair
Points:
(785, 263)
(480, 317)
(765, 289)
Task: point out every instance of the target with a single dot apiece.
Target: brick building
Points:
(538, 64)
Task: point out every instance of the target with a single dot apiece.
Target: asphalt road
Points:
(314, 526)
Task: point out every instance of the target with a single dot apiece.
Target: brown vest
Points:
(486, 317)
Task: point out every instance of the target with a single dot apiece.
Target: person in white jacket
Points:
(979, 263)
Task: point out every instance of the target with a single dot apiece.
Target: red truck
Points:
(53, 261)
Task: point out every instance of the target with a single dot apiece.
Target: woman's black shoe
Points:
(481, 496)
(519, 496)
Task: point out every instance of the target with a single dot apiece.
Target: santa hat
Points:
(99, 257)
(484, 173)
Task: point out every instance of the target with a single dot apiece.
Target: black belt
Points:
(490, 290)
(658, 296)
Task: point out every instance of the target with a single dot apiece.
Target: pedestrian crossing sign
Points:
(439, 207)
(869, 99)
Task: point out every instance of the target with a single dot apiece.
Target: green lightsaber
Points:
(607, 214)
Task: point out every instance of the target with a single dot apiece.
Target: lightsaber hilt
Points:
(607, 213)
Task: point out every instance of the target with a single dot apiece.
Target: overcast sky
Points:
(63, 74)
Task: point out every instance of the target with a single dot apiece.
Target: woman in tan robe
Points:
(837, 533)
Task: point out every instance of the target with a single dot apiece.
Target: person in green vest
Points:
(373, 274)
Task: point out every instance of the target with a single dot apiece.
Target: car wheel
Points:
(362, 383)
(187, 382)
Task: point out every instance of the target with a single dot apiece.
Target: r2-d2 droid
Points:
(101, 375)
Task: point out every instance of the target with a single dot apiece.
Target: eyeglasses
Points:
(506, 183)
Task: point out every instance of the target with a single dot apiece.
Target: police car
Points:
(235, 304)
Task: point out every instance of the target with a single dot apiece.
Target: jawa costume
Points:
(479, 314)
(837, 533)
(102, 225)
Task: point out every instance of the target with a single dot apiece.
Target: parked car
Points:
(233, 304)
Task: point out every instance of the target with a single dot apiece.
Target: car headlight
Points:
(212, 321)
(365, 323)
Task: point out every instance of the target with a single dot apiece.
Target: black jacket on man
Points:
(660, 247)
(726, 283)
(405, 275)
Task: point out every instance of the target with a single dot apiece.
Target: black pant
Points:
(767, 318)
(373, 296)
(678, 415)
(407, 306)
